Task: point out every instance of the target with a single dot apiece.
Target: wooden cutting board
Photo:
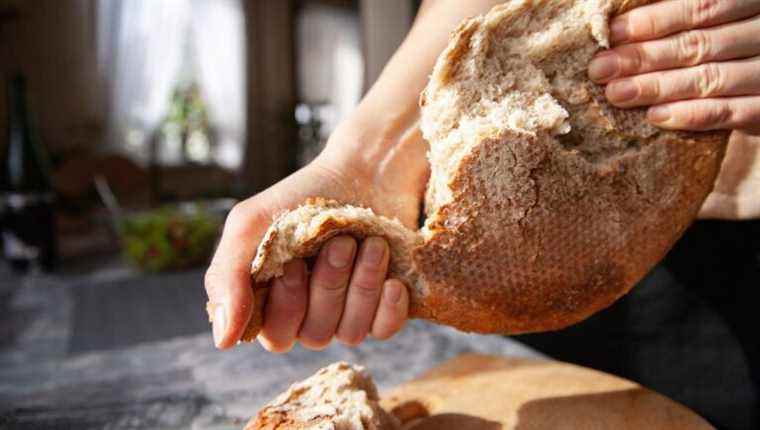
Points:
(476, 392)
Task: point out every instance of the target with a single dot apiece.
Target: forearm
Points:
(390, 110)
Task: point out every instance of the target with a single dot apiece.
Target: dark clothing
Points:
(689, 330)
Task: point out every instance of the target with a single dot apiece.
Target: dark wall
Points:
(52, 43)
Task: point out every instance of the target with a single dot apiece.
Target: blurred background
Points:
(180, 100)
(129, 129)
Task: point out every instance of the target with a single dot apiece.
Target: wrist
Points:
(365, 140)
(384, 168)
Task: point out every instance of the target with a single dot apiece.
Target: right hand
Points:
(699, 61)
(346, 294)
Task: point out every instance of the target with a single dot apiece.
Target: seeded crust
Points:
(545, 203)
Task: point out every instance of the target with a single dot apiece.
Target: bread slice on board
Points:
(545, 203)
(338, 397)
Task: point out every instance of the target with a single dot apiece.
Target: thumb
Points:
(228, 279)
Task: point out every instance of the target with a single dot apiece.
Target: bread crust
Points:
(337, 397)
(532, 226)
(544, 272)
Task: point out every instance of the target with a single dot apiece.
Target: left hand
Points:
(696, 63)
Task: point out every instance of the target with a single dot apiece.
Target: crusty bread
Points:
(338, 397)
(545, 203)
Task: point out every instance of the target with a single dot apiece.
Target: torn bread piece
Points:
(545, 203)
(338, 397)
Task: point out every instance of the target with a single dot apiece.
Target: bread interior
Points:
(522, 69)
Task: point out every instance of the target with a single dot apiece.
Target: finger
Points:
(285, 309)
(364, 291)
(327, 294)
(738, 113)
(735, 78)
(393, 310)
(228, 279)
(690, 48)
(672, 16)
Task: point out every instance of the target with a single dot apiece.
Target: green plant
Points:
(169, 239)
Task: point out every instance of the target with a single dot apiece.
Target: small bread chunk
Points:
(338, 397)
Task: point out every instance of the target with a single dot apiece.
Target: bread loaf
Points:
(545, 203)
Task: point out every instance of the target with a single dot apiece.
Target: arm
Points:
(390, 109)
(376, 158)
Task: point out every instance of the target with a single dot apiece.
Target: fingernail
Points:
(659, 114)
(341, 252)
(604, 66)
(374, 251)
(392, 292)
(622, 91)
(292, 274)
(220, 324)
(619, 31)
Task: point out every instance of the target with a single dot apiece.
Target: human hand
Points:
(696, 64)
(346, 294)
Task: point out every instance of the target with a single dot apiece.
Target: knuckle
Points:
(747, 119)
(209, 277)
(700, 12)
(330, 280)
(708, 116)
(331, 286)
(236, 219)
(708, 80)
(242, 217)
(327, 279)
(635, 58)
(643, 23)
(293, 305)
(367, 286)
(693, 47)
(219, 283)
(650, 88)
(211, 280)
(237, 213)
(372, 270)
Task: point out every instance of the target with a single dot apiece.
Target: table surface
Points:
(107, 347)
